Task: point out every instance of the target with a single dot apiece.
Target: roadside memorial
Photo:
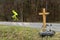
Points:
(44, 32)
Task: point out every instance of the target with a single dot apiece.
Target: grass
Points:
(22, 33)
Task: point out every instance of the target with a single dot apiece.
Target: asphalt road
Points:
(55, 26)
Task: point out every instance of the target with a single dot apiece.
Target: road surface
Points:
(55, 26)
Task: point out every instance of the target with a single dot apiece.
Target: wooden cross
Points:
(44, 17)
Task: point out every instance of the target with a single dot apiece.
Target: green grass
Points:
(22, 33)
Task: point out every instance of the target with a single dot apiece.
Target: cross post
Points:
(44, 13)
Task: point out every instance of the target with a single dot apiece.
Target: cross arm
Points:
(44, 13)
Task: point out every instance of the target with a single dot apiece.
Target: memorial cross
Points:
(44, 13)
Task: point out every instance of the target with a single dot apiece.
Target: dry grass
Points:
(22, 33)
